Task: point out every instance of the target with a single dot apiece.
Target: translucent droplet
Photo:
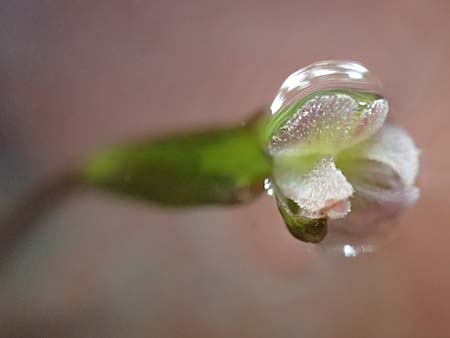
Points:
(325, 107)
(322, 75)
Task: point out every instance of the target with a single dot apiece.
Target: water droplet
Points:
(323, 75)
(326, 106)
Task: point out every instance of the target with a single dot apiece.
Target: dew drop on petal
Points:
(322, 75)
(328, 105)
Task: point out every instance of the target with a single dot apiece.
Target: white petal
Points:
(331, 122)
(322, 191)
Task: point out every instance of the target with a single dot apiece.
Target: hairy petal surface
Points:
(330, 122)
(320, 192)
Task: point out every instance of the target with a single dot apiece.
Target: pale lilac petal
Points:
(382, 171)
(369, 213)
(339, 209)
(393, 147)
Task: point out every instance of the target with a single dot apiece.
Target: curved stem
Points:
(21, 218)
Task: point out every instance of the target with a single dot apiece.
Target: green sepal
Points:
(216, 166)
(310, 230)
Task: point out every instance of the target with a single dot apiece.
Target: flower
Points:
(336, 159)
(334, 162)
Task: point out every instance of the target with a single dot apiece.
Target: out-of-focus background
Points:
(76, 75)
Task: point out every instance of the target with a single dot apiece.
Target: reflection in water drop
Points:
(349, 250)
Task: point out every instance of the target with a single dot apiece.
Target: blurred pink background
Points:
(76, 75)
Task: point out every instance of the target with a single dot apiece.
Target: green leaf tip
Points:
(216, 166)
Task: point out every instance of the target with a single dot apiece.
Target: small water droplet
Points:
(268, 187)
